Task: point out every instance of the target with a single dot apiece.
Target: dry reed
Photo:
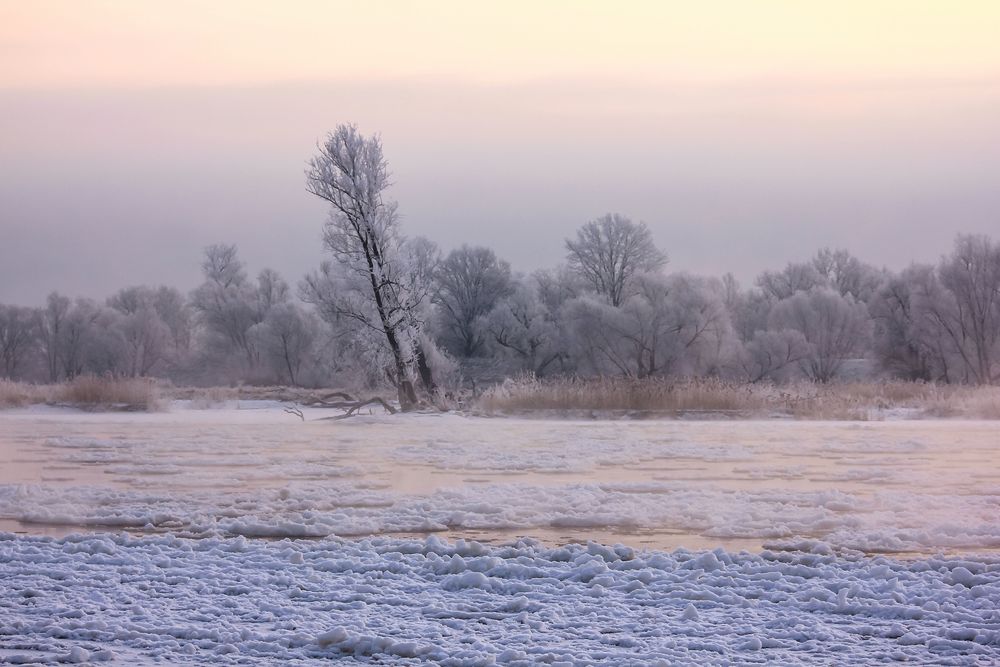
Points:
(86, 391)
(720, 398)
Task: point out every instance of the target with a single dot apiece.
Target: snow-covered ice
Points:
(865, 542)
(914, 487)
(226, 601)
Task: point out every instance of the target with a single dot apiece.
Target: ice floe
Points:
(110, 598)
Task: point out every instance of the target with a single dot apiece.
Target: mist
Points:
(101, 187)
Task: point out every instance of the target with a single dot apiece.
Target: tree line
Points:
(388, 310)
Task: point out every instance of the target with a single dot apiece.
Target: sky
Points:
(745, 134)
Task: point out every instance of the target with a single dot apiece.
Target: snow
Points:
(112, 597)
(255, 537)
(881, 487)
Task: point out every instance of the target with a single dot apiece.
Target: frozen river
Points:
(124, 540)
(904, 487)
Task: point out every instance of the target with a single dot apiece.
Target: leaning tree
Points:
(362, 234)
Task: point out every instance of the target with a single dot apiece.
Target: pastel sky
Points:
(746, 134)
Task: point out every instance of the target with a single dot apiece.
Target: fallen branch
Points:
(324, 400)
(336, 394)
(353, 406)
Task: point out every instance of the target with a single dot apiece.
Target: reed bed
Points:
(87, 392)
(721, 398)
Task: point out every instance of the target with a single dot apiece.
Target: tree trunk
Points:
(426, 375)
(404, 387)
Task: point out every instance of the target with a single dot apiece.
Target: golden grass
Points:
(90, 391)
(87, 392)
(705, 398)
(719, 398)
(18, 394)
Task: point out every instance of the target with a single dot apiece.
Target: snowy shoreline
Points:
(118, 598)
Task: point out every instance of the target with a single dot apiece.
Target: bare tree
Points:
(222, 266)
(970, 318)
(51, 323)
(146, 340)
(469, 282)
(558, 286)
(847, 275)
(522, 328)
(229, 305)
(672, 325)
(77, 335)
(175, 312)
(610, 251)
(903, 345)
(769, 354)
(362, 233)
(272, 290)
(748, 310)
(778, 285)
(836, 328)
(285, 338)
(18, 331)
(146, 337)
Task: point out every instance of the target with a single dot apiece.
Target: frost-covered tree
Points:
(946, 323)
(18, 338)
(272, 290)
(51, 322)
(972, 275)
(836, 269)
(175, 312)
(795, 277)
(145, 339)
(558, 286)
(523, 330)
(836, 327)
(355, 350)
(105, 352)
(748, 309)
(903, 344)
(362, 233)
(770, 355)
(153, 328)
(229, 305)
(226, 303)
(469, 283)
(610, 251)
(675, 325)
(77, 333)
(285, 338)
(422, 257)
(846, 274)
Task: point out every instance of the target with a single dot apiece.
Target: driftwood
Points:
(353, 406)
(347, 402)
(324, 400)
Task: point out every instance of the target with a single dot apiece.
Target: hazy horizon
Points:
(133, 139)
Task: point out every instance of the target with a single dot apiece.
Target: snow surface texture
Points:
(107, 598)
(883, 487)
